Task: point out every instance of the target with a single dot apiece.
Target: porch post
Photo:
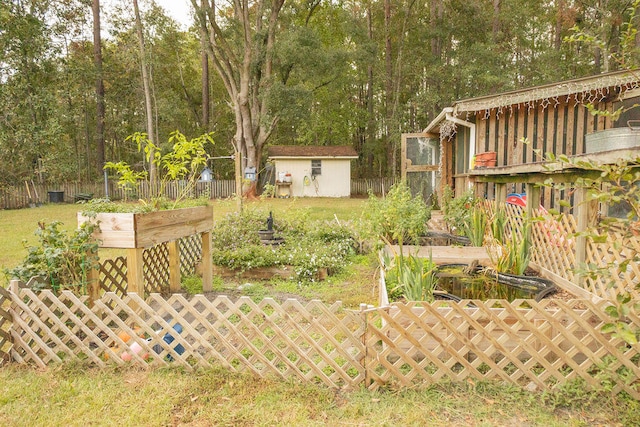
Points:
(93, 284)
(501, 192)
(533, 199)
(582, 219)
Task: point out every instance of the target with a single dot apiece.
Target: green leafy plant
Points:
(476, 227)
(398, 217)
(414, 277)
(457, 210)
(498, 223)
(61, 260)
(612, 184)
(269, 190)
(307, 246)
(513, 255)
(183, 163)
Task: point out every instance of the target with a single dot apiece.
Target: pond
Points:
(483, 284)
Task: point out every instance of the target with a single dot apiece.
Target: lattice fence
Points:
(310, 341)
(552, 244)
(5, 324)
(113, 275)
(554, 249)
(536, 345)
(611, 255)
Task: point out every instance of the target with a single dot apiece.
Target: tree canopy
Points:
(310, 72)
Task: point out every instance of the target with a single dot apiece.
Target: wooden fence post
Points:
(6, 322)
(93, 284)
(501, 192)
(365, 338)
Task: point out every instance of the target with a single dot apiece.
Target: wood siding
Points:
(558, 127)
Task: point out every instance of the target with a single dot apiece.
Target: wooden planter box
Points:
(144, 230)
(137, 231)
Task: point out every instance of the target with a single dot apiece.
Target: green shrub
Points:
(307, 246)
(457, 210)
(410, 276)
(398, 217)
(61, 260)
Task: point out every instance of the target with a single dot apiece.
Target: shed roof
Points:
(310, 151)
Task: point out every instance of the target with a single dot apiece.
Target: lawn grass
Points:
(19, 225)
(76, 395)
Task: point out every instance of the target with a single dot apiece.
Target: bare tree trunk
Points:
(206, 115)
(100, 108)
(388, 82)
(147, 93)
(557, 42)
(434, 7)
(495, 30)
(371, 134)
(257, 25)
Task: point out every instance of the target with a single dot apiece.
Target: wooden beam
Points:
(446, 254)
(501, 192)
(581, 210)
(135, 271)
(93, 284)
(533, 199)
(207, 262)
(174, 266)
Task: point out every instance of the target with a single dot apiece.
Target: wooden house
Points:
(312, 171)
(552, 118)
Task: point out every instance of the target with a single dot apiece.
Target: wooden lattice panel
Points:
(543, 346)
(156, 269)
(5, 325)
(113, 275)
(618, 248)
(553, 248)
(311, 341)
(190, 254)
(515, 218)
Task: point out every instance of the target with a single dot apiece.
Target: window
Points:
(316, 167)
(462, 153)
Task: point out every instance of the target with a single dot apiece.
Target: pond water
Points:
(478, 285)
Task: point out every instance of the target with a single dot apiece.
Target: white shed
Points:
(313, 171)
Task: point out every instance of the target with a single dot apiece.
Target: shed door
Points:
(421, 163)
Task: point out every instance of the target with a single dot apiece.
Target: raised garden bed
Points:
(143, 230)
(137, 231)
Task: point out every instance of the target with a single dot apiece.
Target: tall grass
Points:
(476, 228)
(411, 276)
(514, 255)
